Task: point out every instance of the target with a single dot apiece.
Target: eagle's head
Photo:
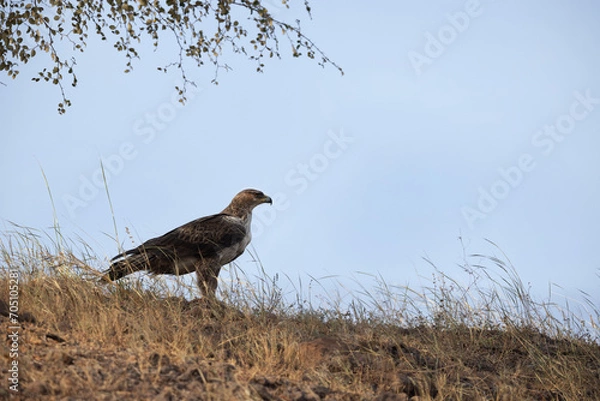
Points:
(245, 201)
(253, 197)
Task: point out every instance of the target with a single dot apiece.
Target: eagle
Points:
(202, 246)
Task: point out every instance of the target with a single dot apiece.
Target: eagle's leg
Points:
(207, 281)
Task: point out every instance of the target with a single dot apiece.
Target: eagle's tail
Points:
(125, 265)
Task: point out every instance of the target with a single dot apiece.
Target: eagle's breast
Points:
(228, 254)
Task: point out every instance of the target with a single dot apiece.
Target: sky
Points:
(456, 122)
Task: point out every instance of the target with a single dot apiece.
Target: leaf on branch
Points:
(30, 25)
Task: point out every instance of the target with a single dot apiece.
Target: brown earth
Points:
(79, 340)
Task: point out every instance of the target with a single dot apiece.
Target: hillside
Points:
(80, 339)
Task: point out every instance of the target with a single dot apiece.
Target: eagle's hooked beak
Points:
(267, 199)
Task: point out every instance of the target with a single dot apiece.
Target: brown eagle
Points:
(202, 246)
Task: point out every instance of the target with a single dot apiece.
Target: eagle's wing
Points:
(202, 239)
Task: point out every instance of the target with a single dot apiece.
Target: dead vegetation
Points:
(80, 339)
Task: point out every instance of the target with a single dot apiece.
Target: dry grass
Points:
(81, 339)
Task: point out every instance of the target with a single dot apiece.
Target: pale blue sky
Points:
(420, 141)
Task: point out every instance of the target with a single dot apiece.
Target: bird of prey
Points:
(202, 246)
